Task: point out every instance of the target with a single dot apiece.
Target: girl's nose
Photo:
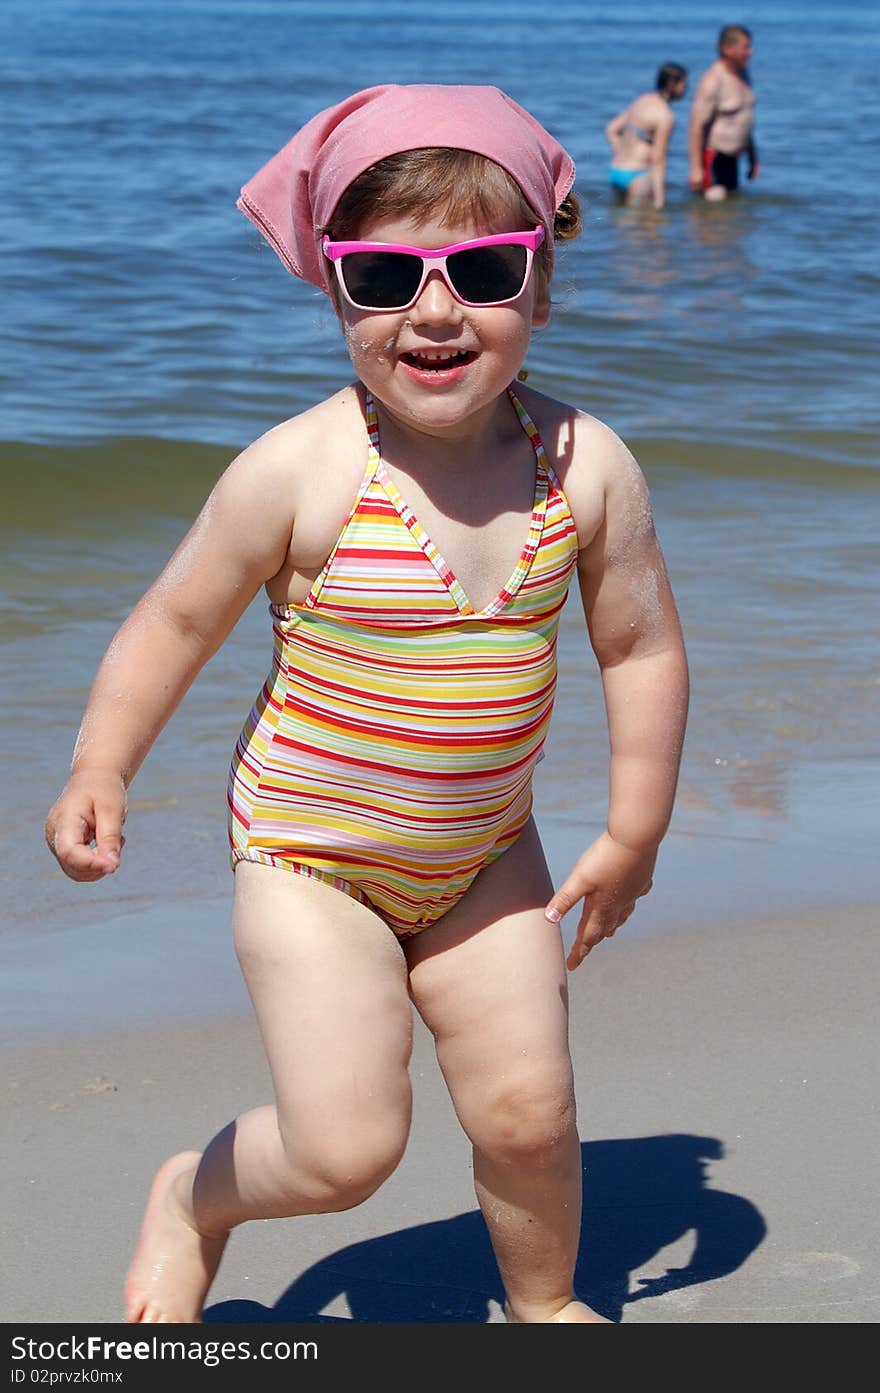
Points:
(436, 304)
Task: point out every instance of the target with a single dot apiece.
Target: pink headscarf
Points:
(299, 188)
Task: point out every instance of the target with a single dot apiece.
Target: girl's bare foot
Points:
(578, 1311)
(173, 1265)
(575, 1312)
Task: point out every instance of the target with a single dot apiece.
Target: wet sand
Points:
(727, 1111)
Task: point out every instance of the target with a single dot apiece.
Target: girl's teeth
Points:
(436, 360)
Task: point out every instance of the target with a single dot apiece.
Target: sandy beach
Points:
(727, 1112)
(725, 1042)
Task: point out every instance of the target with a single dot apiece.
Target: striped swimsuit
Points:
(391, 749)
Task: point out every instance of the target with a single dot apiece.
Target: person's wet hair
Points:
(669, 75)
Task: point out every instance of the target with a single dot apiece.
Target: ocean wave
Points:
(53, 488)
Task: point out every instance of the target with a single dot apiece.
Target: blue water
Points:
(148, 334)
(140, 301)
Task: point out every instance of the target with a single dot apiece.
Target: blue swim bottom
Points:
(622, 178)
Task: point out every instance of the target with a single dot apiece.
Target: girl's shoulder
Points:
(335, 424)
(582, 449)
(593, 465)
(323, 440)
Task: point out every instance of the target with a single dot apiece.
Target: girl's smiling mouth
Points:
(437, 363)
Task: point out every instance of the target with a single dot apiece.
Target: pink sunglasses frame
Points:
(435, 260)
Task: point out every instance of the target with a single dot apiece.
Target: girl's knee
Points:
(530, 1123)
(343, 1166)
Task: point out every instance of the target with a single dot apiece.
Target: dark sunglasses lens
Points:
(485, 275)
(381, 280)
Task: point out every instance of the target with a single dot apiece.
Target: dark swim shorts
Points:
(721, 169)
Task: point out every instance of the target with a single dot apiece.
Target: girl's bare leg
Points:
(329, 986)
(489, 981)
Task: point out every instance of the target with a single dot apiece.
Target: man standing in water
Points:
(722, 118)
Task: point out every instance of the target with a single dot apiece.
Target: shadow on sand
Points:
(641, 1195)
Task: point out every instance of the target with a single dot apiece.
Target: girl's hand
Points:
(84, 827)
(609, 878)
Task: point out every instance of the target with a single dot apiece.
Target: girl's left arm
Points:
(636, 636)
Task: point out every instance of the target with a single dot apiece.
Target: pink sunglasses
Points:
(385, 276)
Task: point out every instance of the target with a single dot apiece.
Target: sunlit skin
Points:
(324, 972)
(722, 114)
(461, 405)
(651, 114)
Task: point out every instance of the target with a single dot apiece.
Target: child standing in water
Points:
(416, 534)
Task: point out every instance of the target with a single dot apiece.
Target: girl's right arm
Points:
(240, 540)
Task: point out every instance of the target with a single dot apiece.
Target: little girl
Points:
(416, 534)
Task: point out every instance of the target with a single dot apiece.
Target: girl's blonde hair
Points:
(457, 185)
